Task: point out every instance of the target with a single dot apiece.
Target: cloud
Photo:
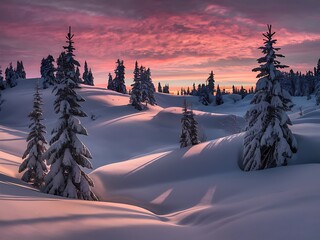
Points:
(181, 40)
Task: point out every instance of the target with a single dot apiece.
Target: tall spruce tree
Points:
(47, 70)
(147, 87)
(20, 72)
(317, 93)
(185, 124)
(85, 73)
(33, 162)
(77, 76)
(2, 86)
(219, 99)
(67, 153)
(210, 83)
(189, 132)
(11, 76)
(204, 96)
(110, 85)
(119, 80)
(90, 78)
(135, 98)
(60, 73)
(268, 141)
(151, 88)
(159, 88)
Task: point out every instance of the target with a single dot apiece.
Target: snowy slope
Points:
(154, 189)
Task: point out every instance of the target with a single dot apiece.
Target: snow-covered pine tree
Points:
(204, 96)
(219, 99)
(60, 74)
(189, 132)
(210, 83)
(11, 76)
(110, 83)
(193, 131)
(119, 80)
(47, 70)
(20, 72)
(268, 141)
(85, 74)
(151, 88)
(185, 124)
(147, 87)
(317, 93)
(77, 76)
(33, 162)
(90, 78)
(135, 98)
(2, 86)
(66, 152)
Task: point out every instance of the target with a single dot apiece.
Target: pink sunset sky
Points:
(180, 40)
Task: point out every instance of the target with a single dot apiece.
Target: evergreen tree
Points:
(11, 76)
(78, 78)
(219, 99)
(159, 88)
(60, 74)
(194, 90)
(210, 82)
(110, 83)
(268, 141)
(318, 67)
(119, 80)
(47, 70)
(188, 91)
(135, 98)
(233, 90)
(90, 78)
(33, 161)
(2, 87)
(243, 92)
(166, 89)
(151, 89)
(185, 123)
(66, 152)
(317, 93)
(189, 133)
(204, 96)
(85, 73)
(20, 72)
(144, 85)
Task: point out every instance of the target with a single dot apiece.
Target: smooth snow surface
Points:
(152, 189)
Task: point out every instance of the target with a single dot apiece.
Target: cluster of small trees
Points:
(242, 91)
(298, 84)
(118, 82)
(87, 75)
(12, 75)
(66, 153)
(164, 89)
(52, 75)
(142, 88)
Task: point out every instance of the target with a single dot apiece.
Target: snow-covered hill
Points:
(154, 190)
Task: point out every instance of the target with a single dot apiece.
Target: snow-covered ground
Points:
(149, 187)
